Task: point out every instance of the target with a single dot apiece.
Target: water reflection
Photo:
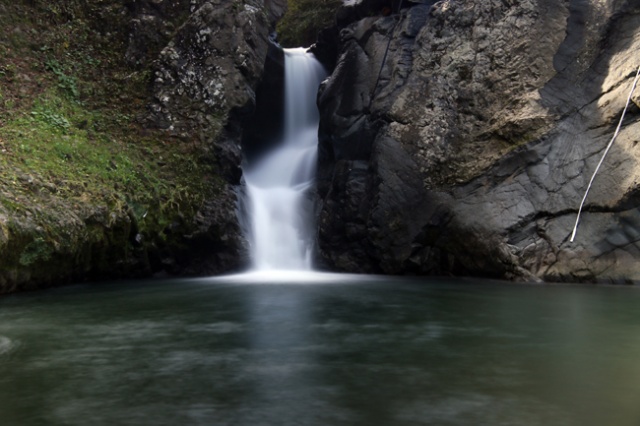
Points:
(282, 356)
(349, 351)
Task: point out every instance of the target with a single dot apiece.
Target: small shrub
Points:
(68, 84)
(52, 119)
(304, 19)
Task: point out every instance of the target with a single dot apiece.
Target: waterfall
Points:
(279, 203)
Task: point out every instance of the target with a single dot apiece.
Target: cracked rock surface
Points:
(470, 151)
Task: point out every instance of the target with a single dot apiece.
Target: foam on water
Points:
(292, 276)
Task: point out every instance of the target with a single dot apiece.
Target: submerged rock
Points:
(459, 137)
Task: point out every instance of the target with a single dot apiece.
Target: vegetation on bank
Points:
(72, 131)
(304, 19)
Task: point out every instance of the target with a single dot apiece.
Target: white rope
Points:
(606, 151)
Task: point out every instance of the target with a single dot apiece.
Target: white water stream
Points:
(280, 207)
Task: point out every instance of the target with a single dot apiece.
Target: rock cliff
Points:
(458, 137)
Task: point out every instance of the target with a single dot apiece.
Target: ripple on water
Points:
(6, 345)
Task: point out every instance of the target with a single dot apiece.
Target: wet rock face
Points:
(470, 152)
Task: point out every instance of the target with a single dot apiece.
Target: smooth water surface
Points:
(326, 351)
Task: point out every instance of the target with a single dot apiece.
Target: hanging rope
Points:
(606, 151)
(386, 52)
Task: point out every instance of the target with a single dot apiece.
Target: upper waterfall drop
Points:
(279, 206)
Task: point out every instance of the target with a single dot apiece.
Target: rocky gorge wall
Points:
(69, 216)
(470, 152)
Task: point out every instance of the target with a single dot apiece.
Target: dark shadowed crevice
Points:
(263, 128)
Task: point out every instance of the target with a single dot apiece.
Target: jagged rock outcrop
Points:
(472, 151)
(205, 85)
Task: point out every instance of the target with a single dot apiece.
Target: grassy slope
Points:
(70, 136)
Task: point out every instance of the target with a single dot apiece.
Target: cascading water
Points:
(280, 208)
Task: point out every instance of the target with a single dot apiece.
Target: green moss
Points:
(37, 251)
(95, 166)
